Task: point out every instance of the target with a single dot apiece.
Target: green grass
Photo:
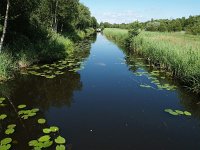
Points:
(175, 52)
(52, 47)
(7, 66)
(22, 53)
(118, 35)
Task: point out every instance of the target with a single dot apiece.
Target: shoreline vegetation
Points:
(175, 52)
(40, 31)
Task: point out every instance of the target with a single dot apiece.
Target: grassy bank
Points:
(23, 53)
(175, 52)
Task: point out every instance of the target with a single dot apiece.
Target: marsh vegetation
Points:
(178, 53)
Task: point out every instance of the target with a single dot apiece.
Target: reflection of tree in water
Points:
(130, 56)
(38, 92)
(43, 93)
(190, 102)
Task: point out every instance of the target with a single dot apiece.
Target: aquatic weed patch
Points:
(178, 112)
(51, 71)
(48, 137)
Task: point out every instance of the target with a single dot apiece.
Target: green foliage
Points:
(60, 147)
(3, 116)
(41, 121)
(60, 140)
(119, 35)
(175, 52)
(36, 31)
(177, 112)
(7, 66)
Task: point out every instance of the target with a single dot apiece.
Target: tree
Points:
(162, 27)
(5, 25)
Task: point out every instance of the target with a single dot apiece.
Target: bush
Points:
(57, 47)
(7, 66)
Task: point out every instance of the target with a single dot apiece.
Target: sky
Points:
(126, 11)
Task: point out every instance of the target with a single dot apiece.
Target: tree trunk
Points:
(55, 26)
(5, 25)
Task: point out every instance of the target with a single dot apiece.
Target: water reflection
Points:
(188, 100)
(38, 92)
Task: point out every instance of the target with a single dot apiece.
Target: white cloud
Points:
(119, 17)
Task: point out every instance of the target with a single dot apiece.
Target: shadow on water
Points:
(42, 93)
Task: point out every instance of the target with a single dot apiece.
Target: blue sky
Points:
(124, 11)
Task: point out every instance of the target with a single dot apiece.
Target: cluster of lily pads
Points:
(50, 71)
(5, 144)
(45, 141)
(2, 104)
(177, 112)
(153, 77)
(25, 114)
(10, 129)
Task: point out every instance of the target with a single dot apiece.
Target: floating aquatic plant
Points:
(50, 71)
(41, 121)
(2, 99)
(60, 140)
(5, 144)
(25, 114)
(10, 129)
(46, 130)
(145, 86)
(44, 138)
(187, 113)
(177, 112)
(21, 106)
(42, 142)
(60, 147)
(3, 116)
(54, 129)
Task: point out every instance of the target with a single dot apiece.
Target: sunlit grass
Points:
(119, 35)
(176, 52)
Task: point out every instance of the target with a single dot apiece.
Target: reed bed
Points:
(178, 53)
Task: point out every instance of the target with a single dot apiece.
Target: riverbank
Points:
(178, 53)
(23, 53)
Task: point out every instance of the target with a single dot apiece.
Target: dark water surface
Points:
(103, 107)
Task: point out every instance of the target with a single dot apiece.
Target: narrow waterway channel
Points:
(113, 103)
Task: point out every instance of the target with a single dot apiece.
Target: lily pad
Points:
(179, 112)
(44, 138)
(6, 141)
(33, 143)
(54, 129)
(60, 140)
(47, 144)
(187, 113)
(168, 110)
(21, 106)
(145, 86)
(41, 121)
(35, 110)
(9, 131)
(60, 147)
(174, 113)
(5, 147)
(46, 131)
(3, 116)
(11, 126)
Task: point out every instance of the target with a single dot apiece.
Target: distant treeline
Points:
(191, 25)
